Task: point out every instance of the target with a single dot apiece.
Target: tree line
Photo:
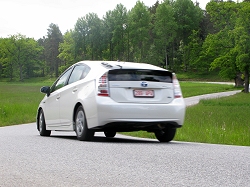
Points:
(174, 34)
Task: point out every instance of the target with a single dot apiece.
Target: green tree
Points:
(7, 63)
(188, 18)
(88, 38)
(193, 50)
(118, 39)
(19, 56)
(222, 14)
(221, 45)
(67, 51)
(115, 33)
(108, 24)
(222, 56)
(206, 26)
(80, 34)
(42, 59)
(94, 36)
(139, 27)
(242, 42)
(165, 29)
(52, 41)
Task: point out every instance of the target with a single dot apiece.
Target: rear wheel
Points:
(42, 125)
(165, 135)
(110, 134)
(82, 131)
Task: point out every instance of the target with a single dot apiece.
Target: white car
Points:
(112, 97)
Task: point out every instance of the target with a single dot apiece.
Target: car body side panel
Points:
(71, 95)
(50, 107)
(67, 103)
(87, 97)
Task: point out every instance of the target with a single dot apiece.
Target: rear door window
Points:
(140, 75)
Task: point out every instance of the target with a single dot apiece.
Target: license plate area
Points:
(144, 93)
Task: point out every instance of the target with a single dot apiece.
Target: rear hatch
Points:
(141, 86)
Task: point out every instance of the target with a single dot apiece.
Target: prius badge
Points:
(144, 84)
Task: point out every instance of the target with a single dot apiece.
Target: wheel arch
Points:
(37, 117)
(74, 113)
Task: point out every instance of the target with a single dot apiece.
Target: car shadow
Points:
(101, 139)
(122, 140)
(107, 140)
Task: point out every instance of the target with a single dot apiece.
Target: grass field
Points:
(222, 120)
(19, 102)
(190, 89)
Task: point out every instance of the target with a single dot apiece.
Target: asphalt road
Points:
(27, 159)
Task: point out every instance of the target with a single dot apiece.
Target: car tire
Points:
(42, 125)
(81, 127)
(165, 135)
(110, 134)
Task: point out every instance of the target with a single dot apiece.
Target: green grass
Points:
(195, 88)
(223, 120)
(19, 102)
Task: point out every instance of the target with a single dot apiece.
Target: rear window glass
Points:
(140, 75)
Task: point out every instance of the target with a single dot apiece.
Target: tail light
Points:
(103, 88)
(177, 88)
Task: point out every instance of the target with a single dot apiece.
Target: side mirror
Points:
(46, 90)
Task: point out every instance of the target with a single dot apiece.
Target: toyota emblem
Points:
(144, 84)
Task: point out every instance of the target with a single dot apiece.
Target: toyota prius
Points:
(111, 97)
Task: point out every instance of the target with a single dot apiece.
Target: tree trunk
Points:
(21, 72)
(246, 87)
(239, 82)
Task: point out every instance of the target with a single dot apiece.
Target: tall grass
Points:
(190, 89)
(223, 121)
(19, 102)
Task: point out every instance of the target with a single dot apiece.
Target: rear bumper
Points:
(111, 114)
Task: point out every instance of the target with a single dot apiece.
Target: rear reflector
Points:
(103, 88)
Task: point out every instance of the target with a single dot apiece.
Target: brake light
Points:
(103, 88)
(177, 88)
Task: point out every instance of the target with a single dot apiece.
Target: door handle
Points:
(58, 97)
(75, 89)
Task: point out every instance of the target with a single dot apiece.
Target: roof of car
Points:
(123, 65)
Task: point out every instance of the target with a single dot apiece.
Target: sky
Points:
(33, 17)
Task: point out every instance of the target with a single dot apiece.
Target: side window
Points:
(62, 81)
(79, 72)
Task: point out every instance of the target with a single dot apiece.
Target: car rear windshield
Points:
(140, 75)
